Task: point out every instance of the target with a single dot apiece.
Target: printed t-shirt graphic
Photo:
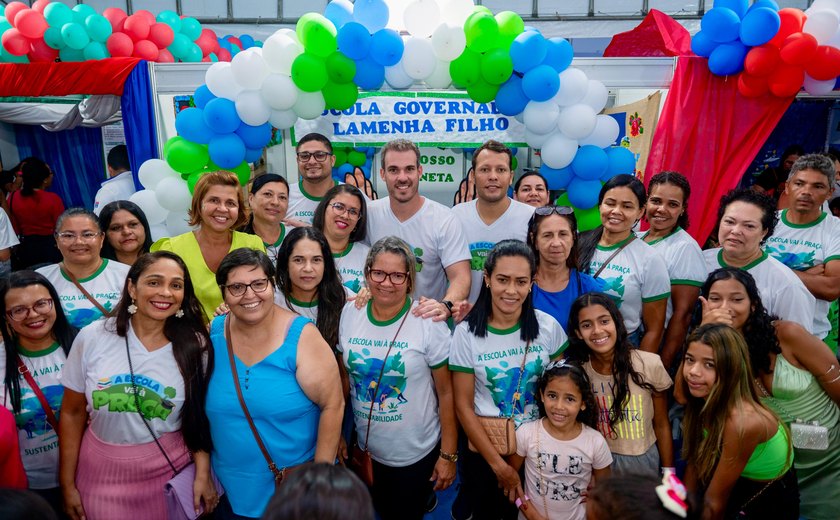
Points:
(350, 265)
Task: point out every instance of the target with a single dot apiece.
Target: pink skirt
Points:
(126, 480)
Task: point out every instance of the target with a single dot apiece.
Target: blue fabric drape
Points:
(75, 157)
(138, 119)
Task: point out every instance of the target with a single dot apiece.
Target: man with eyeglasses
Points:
(492, 216)
(315, 162)
(430, 228)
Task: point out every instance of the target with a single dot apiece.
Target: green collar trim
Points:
(312, 197)
(615, 246)
(301, 303)
(503, 332)
(397, 316)
(788, 223)
(279, 239)
(89, 278)
(345, 252)
(37, 353)
(747, 267)
(657, 240)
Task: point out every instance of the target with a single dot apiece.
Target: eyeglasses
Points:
(378, 276)
(319, 156)
(545, 211)
(238, 289)
(341, 209)
(67, 236)
(20, 312)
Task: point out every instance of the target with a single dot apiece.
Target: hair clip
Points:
(672, 494)
(560, 363)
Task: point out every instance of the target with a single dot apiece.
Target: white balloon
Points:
(596, 95)
(252, 108)
(283, 119)
(419, 59)
(309, 105)
(397, 77)
(519, 117)
(279, 91)
(448, 41)
(456, 12)
(573, 86)
(440, 78)
(605, 132)
(422, 17)
(558, 151)
(177, 223)
(822, 25)
(173, 194)
(219, 79)
(158, 231)
(535, 140)
(153, 171)
(249, 68)
(577, 121)
(396, 10)
(816, 87)
(280, 50)
(832, 5)
(540, 117)
(147, 200)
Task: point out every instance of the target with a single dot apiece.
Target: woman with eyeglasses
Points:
(36, 341)
(268, 200)
(552, 236)
(34, 212)
(89, 285)
(288, 381)
(400, 386)
(127, 232)
(216, 211)
(340, 216)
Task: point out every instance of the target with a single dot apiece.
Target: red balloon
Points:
(207, 41)
(31, 23)
(224, 55)
(40, 5)
(164, 56)
(14, 42)
(120, 45)
(116, 16)
(237, 41)
(40, 51)
(146, 15)
(12, 11)
(798, 49)
(161, 35)
(136, 27)
(786, 81)
(792, 22)
(826, 64)
(752, 86)
(146, 50)
(762, 60)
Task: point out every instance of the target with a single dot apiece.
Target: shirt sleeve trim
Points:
(658, 297)
(464, 370)
(440, 365)
(693, 283)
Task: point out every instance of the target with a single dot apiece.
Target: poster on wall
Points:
(112, 135)
(636, 122)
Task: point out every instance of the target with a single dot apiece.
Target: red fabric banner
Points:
(710, 133)
(62, 79)
(657, 35)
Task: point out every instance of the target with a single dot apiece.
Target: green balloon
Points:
(319, 37)
(496, 66)
(98, 28)
(58, 14)
(192, 180)
(466, 68)
(303, 21)
(356, 158)
(75, 36)
(186, 156)
(95, 51)
(340, 68)
(563, 200)
(309, 72)
(340, 155)
(68, 54)
(587, 218)
(340, 96)
(169, 142)
(171, 19)
(53, 37)
(243, 173)
(482, 92)
(514, 163)
(510, 23)
(482, 9)
(482, 31)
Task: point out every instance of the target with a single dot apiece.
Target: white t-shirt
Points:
(38, 441)
(301, 204)
(8, 238)
(350, 265)
(116, 188)
(564, 466)
(105, 285)
(801, 247)
(272, 250)
(433, 233)
(405, 426)
(782, 292)
(636, 275)
(98, 367)
(495, 361)
(482, 237)
(305, 309)
(684, 260)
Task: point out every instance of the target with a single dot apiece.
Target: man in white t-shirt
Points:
(428, 227)
(120, 183)
(492, 216)
(315, 162)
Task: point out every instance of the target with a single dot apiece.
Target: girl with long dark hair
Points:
(34, 213)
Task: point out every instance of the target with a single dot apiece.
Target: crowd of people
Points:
(549, 374)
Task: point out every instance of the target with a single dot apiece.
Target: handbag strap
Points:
(90, 298)
(24, 371)
(516, 393)
(614, 254)
(769, 396)
(382, 371)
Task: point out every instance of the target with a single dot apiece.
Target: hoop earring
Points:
(132, 309)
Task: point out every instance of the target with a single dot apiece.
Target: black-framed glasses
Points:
(342, 209)
(545, 211)
(238, 289)
(397, 278)
(319, 156)
(20, 312)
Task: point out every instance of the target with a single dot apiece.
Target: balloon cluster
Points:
(50, 30)
(348, 159)
(164, 199)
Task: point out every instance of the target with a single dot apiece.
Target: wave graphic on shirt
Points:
(32, 418)
(364, 373)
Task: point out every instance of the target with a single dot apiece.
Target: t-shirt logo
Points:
(116, 395)
(418, 257)
(478, 253)
(800, 260)
(389, 394)
(502, 384)
(32, 417)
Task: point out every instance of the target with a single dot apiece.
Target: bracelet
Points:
(668, 471)
(451, 457)
(520, 503)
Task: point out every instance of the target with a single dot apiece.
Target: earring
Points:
(132, 309)
(179, 313)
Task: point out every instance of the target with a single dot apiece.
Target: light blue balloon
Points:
(228, 151)
(339, 13)
(373, 14)
(354, 41)
(98, 28)
(190, 124)
(171, 19)
(528, 50)
(52, 37)
(590, 163)
(721, 24)
(75, 36)
(764, 3)
(180, 46)
(247, 41)
(191, 28)
(621, 160)
(95, 51)
(511, 99)
(202, 96)
(81, 12)
(193, 54)
(71, 54)
(254, 136)
(220, 115)
(386, 47)
(583, 194)
(58, 14)
(369, 74)
(541, 83)
(557, 179)
(559, 54)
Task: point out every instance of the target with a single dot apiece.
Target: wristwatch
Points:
(451, 457)
(448, 304)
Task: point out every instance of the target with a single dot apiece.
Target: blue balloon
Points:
(253, 154)
(202, 96)
(254, 136)
(369, 74)
(354, 41)
(338, 13)
(228, 151)
(583, 194)
(511, 99)
(189, 123)
(621, 160)
(373, 14)
(365, 168)
(386, 47)
(740, 7)
(702, 45)
(224, 44)
(559, 55)
(220, 115)
(759, 26)
(514, 151)
(764, 3)
(721, 24)
(247, 42)
(541, 83)
(728, 59)
(342, 170)
(590, 163)
(528, 50)
(557, 179)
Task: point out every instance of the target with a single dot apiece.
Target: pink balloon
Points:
(31, 23)
(116, 16)
(40, 51)
(164, 56)
(14, 42)
(208, 41)
(224, 55)
(146, 15)
(146, 50)
(120, 45)
(161, 35)
(13, 9)
(40, 5)
(136, 27)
